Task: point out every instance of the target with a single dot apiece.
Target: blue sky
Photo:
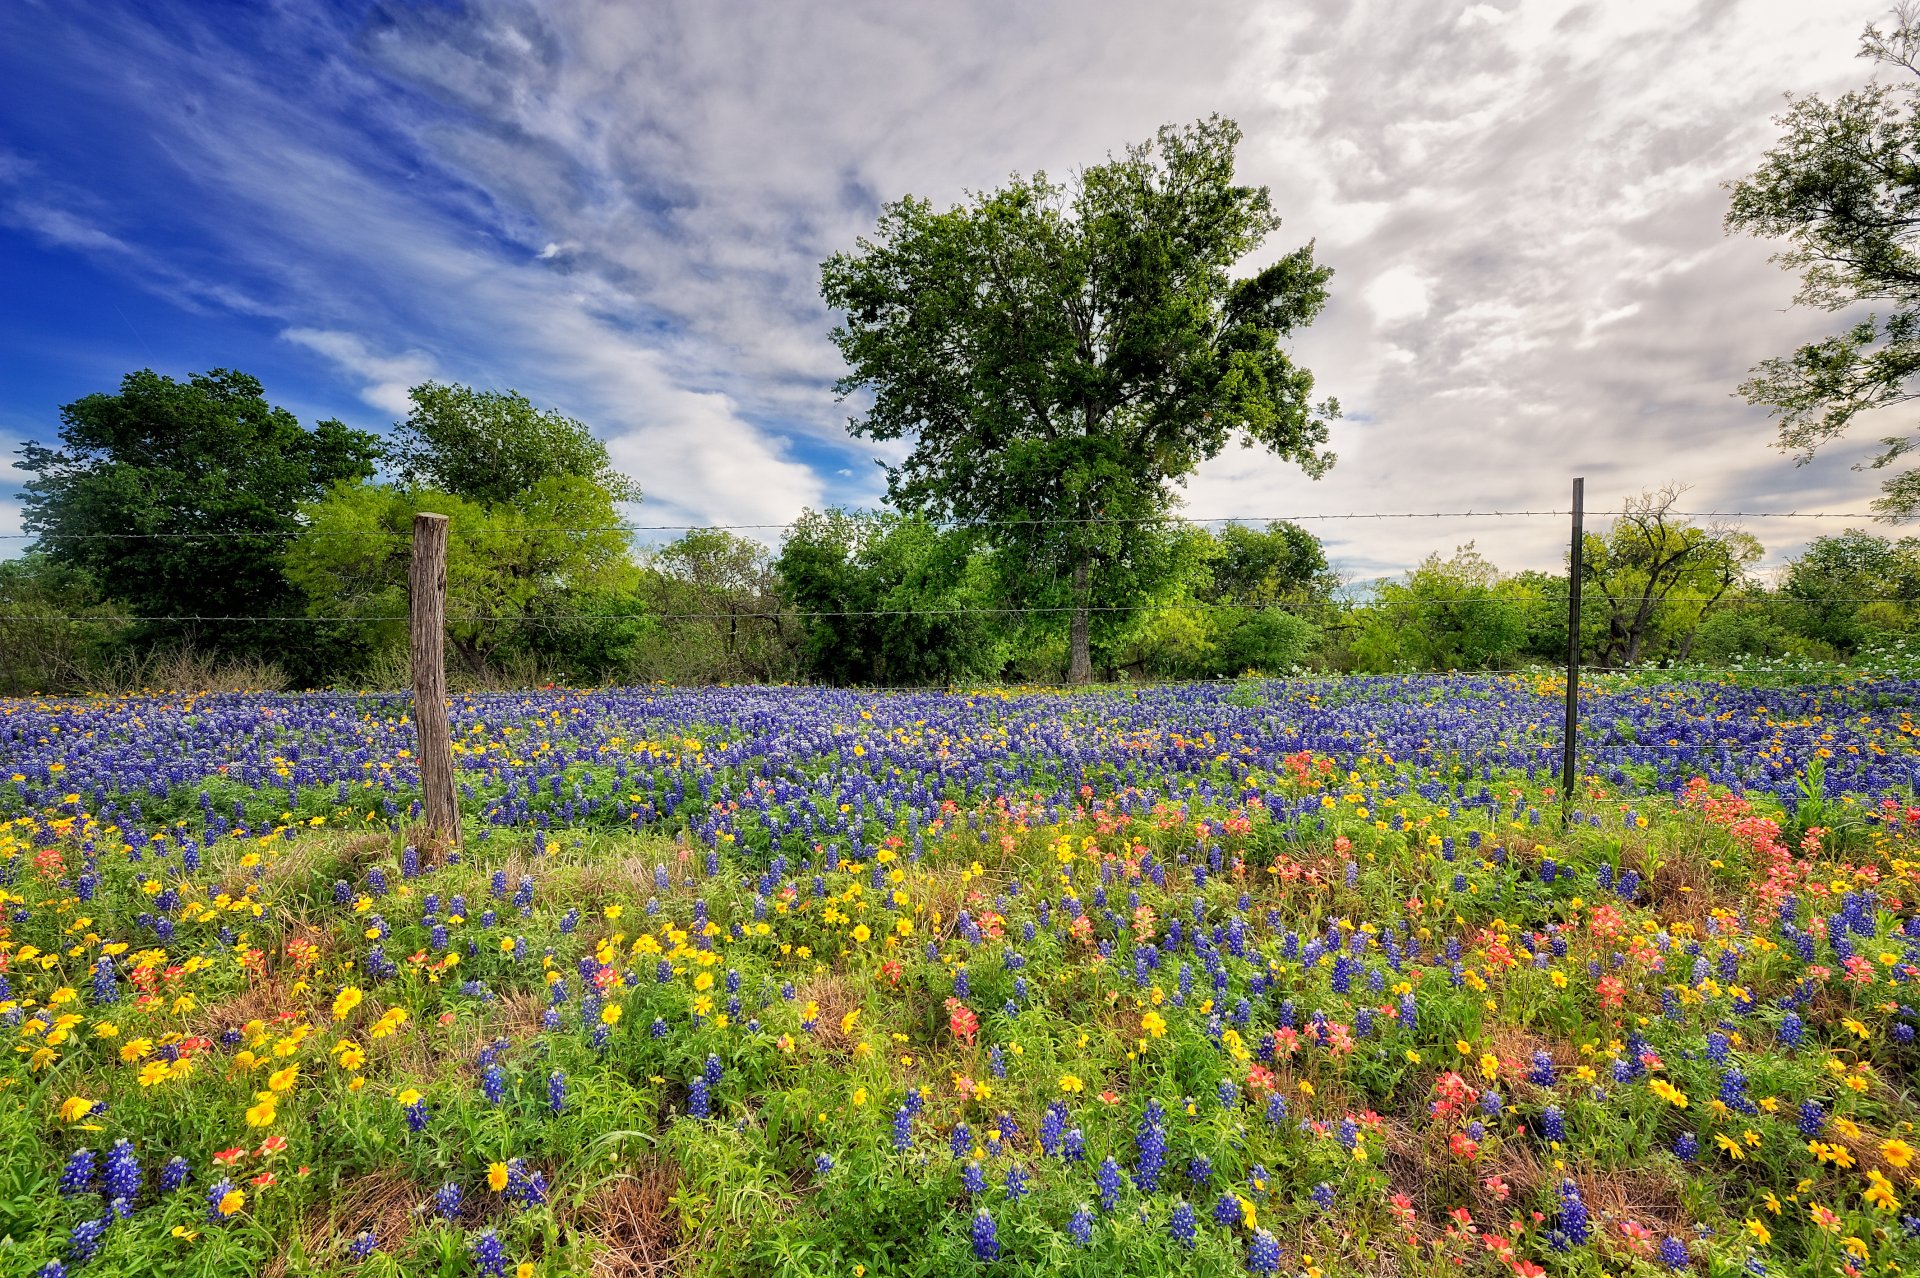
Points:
(620, 211)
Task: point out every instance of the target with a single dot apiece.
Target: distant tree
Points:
(889, 599)
(177, 499)
(720, 615)
(1446, 614)
(1062, 356)
(487, 446)
(55, 633)
(1842, 188)
(1281, 562)
(1846, 587)
(1653, 577)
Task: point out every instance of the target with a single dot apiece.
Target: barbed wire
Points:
(763, 613)
(1072, 521)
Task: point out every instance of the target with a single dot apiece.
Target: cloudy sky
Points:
(620, 209)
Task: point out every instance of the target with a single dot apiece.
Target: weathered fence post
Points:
(1569, 751)
(427, 646)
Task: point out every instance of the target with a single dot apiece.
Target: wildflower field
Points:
(1302, 977)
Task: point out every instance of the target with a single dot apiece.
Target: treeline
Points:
(193, 527)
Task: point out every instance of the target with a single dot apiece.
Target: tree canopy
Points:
(486, 446)
(176, 499)
(1063, 355)
(1842, 189)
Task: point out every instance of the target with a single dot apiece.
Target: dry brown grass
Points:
(836, 998)
(1641, 1194)
(266, 998)
(381, 1201)
(1685, 889)
(632, 1220)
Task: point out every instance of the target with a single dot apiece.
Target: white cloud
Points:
(386, 378)
(621, 211)
(1398, 294)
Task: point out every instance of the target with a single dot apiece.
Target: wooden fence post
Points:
(427, 647)
(1569, 741)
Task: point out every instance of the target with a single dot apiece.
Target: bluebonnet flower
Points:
(173, 1174)
(120, 1181)
(902, 1128)
(1263, 1253)
(1276, 1109)
(1553, 1125)
(822, 1164)
(986, 1243)
(362, 1245)
(1152, 1142)
(961, 1140)
(698, 1105)
(1812, 1119)
(1016, 1183)
(416, 1115)
(85, 1239)
(216, 1194)
(556, 1091)
(1673, 1253)
(1686, 1147)
(1323, 1196)
(77, 1176)
(106, 986)
(489, 1258)
(974, 1179)
(526, 1189)
(1199, 1170)
(1080, 1226)
(446, 1201)
(1052, 1127)
(1108, 1180)
(1226, 1211)
(1573, 1214)
(1181, 1226)
(493, 1084)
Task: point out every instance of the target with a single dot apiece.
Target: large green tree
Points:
(488, 446)
(1842, 189)
(177, 499)
(890, 599)
(1063, 355)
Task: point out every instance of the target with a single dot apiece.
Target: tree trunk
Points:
(1079, 651)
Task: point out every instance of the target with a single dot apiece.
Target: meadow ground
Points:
(1302, 977)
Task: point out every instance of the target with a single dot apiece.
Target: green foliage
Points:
(1737, 632)
(54, 630)
(1846, 588)
(490, 446)
(516, 587)
(928, 602)
(139, 479)
(1838, 188)
(1069, 353)
(1447, 614)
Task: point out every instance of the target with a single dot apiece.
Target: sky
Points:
(620, 209)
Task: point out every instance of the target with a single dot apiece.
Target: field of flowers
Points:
(1302, 977)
